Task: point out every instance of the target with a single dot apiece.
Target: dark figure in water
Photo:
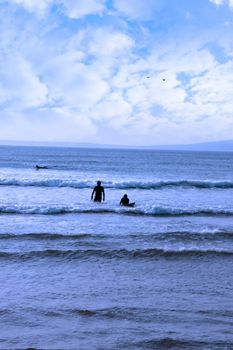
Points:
(124, 200)
(40, 167)
(98, 191)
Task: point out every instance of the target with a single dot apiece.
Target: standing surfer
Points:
(98, 191)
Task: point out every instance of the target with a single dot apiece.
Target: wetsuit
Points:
(99, 192)
(124, 201)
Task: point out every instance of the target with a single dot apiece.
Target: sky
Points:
(122, 72)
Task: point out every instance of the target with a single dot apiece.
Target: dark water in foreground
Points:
(80, 275)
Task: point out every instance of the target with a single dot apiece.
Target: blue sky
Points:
(132, 72)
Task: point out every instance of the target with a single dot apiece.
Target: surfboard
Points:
(129, 205)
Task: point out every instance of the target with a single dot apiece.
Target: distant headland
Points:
(217, 146)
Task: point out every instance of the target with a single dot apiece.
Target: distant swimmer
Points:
(125, 201)
(40, 167)
(98, 193)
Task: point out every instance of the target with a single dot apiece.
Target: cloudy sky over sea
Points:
(136, 72)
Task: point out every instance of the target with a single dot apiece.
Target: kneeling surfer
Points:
(125, 201)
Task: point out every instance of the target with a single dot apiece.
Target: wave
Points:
(45, 183)
(116, 253)
(112, 313)
(142, 185)
(186, 236)
(138, 211)
(177, 344)
(164, 236)
(46, 236)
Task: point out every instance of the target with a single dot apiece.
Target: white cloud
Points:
(137, 9)
(214, 90)
(109, 42)
(20, 86)
(34, 6)
(43, 124)
(78, 77)
(222, 2)
(113, 109)
(80, 8)
(72, 8)
(217, 2)
(74, 84)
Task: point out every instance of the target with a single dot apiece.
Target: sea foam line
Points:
(143, 185)
(138, 211)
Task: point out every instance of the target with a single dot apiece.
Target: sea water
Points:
(82, 275)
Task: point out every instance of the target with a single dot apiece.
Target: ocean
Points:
(76, 274)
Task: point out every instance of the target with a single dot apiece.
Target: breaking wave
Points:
(137, 211)
(147, 185)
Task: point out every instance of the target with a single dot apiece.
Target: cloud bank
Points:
(129, 72)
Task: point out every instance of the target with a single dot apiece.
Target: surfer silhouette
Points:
(40, 167)
(98, 193)
(125, 201)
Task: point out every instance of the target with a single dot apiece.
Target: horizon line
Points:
(200, 146)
